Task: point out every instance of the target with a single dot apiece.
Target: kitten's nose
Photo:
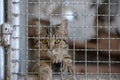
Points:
(51, 50)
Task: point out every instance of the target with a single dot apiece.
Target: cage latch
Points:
(6, 33)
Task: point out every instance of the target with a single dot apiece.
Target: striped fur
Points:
(51, 44)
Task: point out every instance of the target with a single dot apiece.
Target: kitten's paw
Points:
(45, 74)
(67, 66)
(43, 70)
(56, 58)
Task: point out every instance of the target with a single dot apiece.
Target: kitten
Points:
(51, 44)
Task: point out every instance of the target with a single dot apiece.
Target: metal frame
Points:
(17, 36)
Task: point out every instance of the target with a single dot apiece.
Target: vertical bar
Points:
(86, 65)
(109, 27)
(15, 40)
(5, 10)
(23, 37)
(73, 5)
(1, 12)
(39, 9)
(2, 65)
(61, 15)
(27, 54)
(97, 40)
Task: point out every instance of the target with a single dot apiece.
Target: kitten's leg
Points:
(67, 64)
(44, 71)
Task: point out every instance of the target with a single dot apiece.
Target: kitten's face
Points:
(52, 39)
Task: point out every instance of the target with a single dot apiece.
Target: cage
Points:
(93, 38)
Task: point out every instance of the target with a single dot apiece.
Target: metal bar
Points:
(2, 65)
(97, 41)
(86, 64)
(5, 10)
(109, 52)
(15, 39)
(1, 12)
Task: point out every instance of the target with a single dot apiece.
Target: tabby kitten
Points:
(52, 47)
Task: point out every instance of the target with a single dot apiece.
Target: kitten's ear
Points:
(65, 24)
(62, 28)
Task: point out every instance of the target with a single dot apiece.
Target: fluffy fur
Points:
(51, 44)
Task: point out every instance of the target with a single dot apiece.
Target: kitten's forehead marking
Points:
(51, 30)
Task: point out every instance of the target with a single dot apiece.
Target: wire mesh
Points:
(93, 37)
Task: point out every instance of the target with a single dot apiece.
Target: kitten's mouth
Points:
(50, 51)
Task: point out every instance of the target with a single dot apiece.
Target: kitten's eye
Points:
(44, 41)
(57, 41)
